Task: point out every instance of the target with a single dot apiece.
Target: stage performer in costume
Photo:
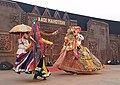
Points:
(74, 57)
(30, 55)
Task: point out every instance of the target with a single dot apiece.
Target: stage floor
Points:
(110, 75)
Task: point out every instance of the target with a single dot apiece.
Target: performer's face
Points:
(26, 35)
(76, 32)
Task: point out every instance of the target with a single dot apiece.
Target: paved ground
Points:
(108, 76)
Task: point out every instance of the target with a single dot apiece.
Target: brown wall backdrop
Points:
(105, 46)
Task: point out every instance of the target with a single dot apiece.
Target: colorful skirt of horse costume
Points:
(74, 57)
(26, 62)
(84, 62)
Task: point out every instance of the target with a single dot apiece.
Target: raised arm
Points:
(49, 34)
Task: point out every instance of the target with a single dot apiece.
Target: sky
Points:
(104, 9)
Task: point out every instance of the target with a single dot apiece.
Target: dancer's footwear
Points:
(35, 76)
(44, 78)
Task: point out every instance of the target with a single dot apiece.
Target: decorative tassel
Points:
(9, 35)
(20, 35)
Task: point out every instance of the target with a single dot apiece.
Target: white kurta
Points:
(22, 45)
(79, 38)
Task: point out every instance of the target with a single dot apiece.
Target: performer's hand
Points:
(75, 58)
(55, 33)
(43, 56)
(52, 46)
